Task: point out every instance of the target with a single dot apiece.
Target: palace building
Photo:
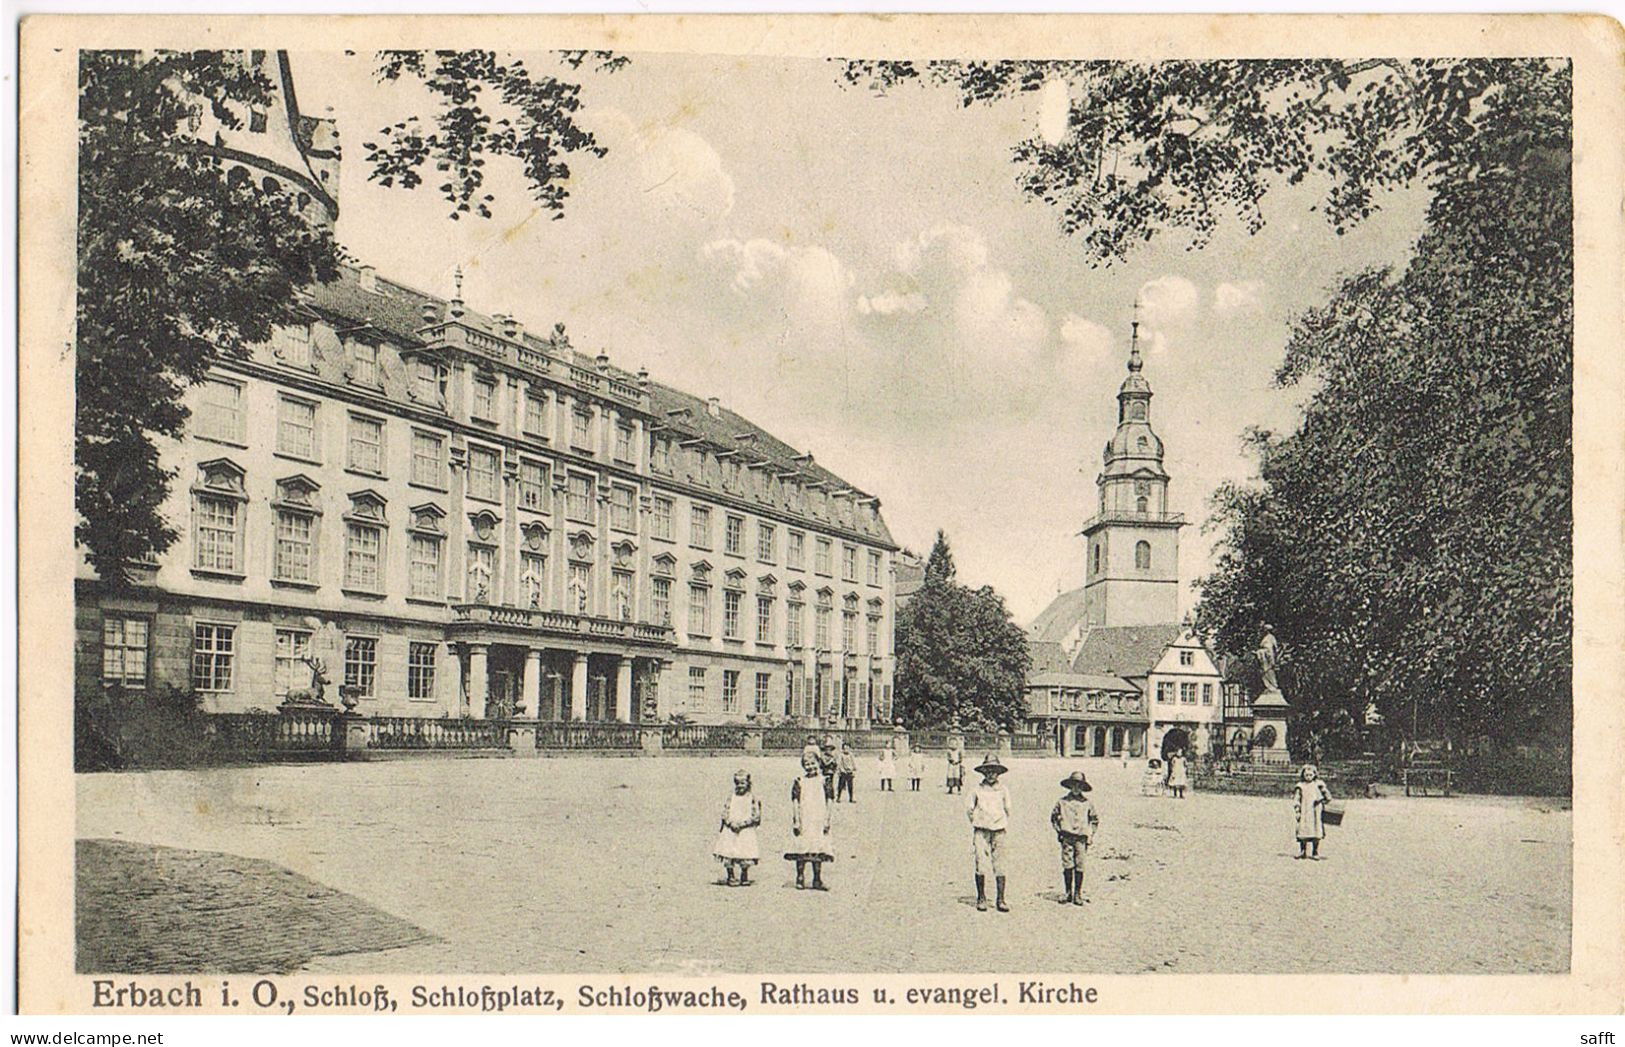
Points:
(457, 517)
(1114, 671)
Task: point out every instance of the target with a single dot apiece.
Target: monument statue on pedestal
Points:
(1268, 659)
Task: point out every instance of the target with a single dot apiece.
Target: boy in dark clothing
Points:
(1074, 821)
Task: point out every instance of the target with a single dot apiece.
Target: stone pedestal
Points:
(351, 730)
(753, 739)
(522, 737)
(900, 742)
(1006, 751)
(1270, 709)
(650, 739)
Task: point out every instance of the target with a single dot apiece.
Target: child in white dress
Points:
(887, 769)
(809, 823)
(736, 847)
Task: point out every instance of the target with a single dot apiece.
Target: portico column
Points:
(478, 680)
(623, 690)
(578, 687)
(533, 683)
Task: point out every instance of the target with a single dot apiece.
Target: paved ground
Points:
(604, 864)
(162, 910)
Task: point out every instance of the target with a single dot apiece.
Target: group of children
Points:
(813, 795)
(914, 765)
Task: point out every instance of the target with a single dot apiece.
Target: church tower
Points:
(1131, 575)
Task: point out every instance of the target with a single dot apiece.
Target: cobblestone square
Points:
(604, 864)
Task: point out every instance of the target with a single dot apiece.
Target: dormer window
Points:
(364, 363)
(291, 344)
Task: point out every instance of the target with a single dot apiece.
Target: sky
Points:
(862, 276)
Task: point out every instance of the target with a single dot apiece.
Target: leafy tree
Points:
(1410, 540)
(184, 258)
(959, 656)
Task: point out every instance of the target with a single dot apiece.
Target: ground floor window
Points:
(696, 689)
(420, 671)
(292, 648)
(124, 652)
(213, 647)
(361, 664)
(762, 683)
(730, 690)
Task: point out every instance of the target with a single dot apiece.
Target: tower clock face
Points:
(1142, 486)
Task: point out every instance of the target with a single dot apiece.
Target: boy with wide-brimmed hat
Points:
(1075, 822)
(988, 808)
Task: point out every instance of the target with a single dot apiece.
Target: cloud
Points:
(1086, 339)
(1230, 299)
(805, 283)
(947, 273)
(669, 170)
(1167, 300)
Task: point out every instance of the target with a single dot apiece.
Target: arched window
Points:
(1142, 504)
(1142, 555)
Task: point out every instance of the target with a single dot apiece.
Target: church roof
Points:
(1058, 619)
(1124, 650)
(1048, 657)
(1082, 681)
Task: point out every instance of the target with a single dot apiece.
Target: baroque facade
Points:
(447, 515)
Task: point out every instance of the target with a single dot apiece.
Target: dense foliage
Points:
(1411, 540)
(960, 659)
(183, 257)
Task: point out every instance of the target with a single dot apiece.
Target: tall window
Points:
(483, 468)
(295, 547)
(1207, 694)
(578, 497)
(871, 634)
(733, 536)
(620, 593)
(420, 671)
(764, 619)
(660, 455)
(660, 600)
(296, 427)
(533, 577)
(696, 689)
(849, 630)
(482, 573)
(699, 610)
(1142, 555)
(124, 652)
(660, 517)
(849, 563)
(291, 344)
(581, 427)
(730, 690)
(792, 623)
(485, 399)
(220, 412)
(292, 648)
(535, 411)
(795, 552)
(1165, 692)
(361, 664)
(425, 579)
(730, 614)
(767, 540)
(762, 684)
(218, 520)
(874, 567)
(533, 485)
(428, 459)
(363, 363)
(580, 587)
(620, 509)
(429, 382)
(822, 561)
(366, 444)
(699, 527)
(1187, 694)
(213, 647)
(825, 612)
(623, 443)
(1097, 557)
(363, 554)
